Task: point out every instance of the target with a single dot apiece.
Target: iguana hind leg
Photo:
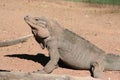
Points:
(97, 69)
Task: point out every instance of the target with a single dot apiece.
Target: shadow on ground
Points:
(40, 58)
(4, 71)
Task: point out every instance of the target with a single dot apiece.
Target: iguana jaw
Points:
(38, 26)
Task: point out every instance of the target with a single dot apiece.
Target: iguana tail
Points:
(112, 62)
(15, 41)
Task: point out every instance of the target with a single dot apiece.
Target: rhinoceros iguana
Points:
(74, 50)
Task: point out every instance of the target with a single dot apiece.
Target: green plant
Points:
(113, 2)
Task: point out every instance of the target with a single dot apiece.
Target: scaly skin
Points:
(70, 47)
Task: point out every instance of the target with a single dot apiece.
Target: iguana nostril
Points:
(26, 17)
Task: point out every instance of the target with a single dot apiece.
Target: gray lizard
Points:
(74, 50)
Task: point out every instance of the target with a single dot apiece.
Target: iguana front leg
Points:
(53, 63)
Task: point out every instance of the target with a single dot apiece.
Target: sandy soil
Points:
(98, 24)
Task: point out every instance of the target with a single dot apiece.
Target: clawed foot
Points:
(40, 71)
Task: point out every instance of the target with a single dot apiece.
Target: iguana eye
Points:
(37, 19)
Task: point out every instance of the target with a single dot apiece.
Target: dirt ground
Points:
(98, 24)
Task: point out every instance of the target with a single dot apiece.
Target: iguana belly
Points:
(74, 60)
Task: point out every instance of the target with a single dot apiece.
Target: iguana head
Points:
(43, 28)
(38, 26)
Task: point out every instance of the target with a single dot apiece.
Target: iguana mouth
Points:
(27, 19)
